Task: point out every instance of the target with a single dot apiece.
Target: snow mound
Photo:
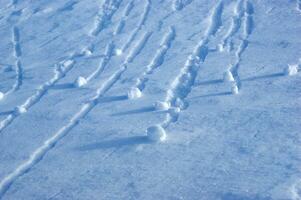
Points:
(228, 76)
(1, 96)
(159, 105)
(156, 133)
(80, 81)
(292, 69)
(234, 89)
(20, 110)
(134, 93)
(118, 52)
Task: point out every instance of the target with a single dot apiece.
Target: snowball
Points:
(134, 93)
(87, 52)
(156, 133)
(228, 76)
(234, 89)
(221, 47)
(159, 105)
(292, 70)
(20, 109)
(1, 96)
(80, 81)
(118, 52)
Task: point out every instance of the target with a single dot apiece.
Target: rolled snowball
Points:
(159, 105)
(292, 70)
(156, 133)
(80, 81)
(134, 93)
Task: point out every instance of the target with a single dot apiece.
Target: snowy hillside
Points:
(150, 99)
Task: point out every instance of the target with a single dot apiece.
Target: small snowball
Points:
(87, 52)
(134, 93)
(228, 76)
(156, 133)
(159, 105)
(20, 109)
(1, 96)
(234, 89)
(80, 81)
(118, 52)
(221, 48)
(292, 70)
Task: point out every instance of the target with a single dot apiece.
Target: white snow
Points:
(1, 96)
(150, 99)
(159, 105)
(134, 93)
(292, 69)
(80, 81)
(156, 133)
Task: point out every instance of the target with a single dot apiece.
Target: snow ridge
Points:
(157, 60)
(50, 143)
(247, 30)
(184, 82)
(109, 7)
(143, 19)
(129, 7)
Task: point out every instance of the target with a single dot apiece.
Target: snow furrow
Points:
(184, 82)
(129, 7)
(178, 5)
(60, 71)
(157, 60)
(132, 37)
(247, 30)
(104, 16)
(50, 143)
(235, 26)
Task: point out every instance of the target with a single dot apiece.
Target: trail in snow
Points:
(105, 14)
(143, 19)
(129, 7)
(60, 71)
(50, 143)
(235, 26)
(247, 30)
(157, 60)
(298, 5)
(183, 83)
(180, 4)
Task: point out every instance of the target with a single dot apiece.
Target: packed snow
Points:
(150, 99)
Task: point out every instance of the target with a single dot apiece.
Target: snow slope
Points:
(150, 99)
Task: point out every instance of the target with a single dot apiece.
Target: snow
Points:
(146, 99)
(156, 133)
(80, 81)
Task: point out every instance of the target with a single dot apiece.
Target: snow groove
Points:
(108, 54)
(129, 7)
(235, 25)
(59, 72)
(247, 30)
(184, 82)
(157, 60)
(50, 143)
(104, 16)
(178, 5)
(146, 11)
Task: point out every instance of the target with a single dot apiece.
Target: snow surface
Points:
(182, 99)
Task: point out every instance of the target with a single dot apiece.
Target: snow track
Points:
(50, 143)
(142, 21)
(129, 7)
(105, 14)
(157, 60)
(183, 83)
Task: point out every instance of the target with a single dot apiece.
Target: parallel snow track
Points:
(50, 143)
